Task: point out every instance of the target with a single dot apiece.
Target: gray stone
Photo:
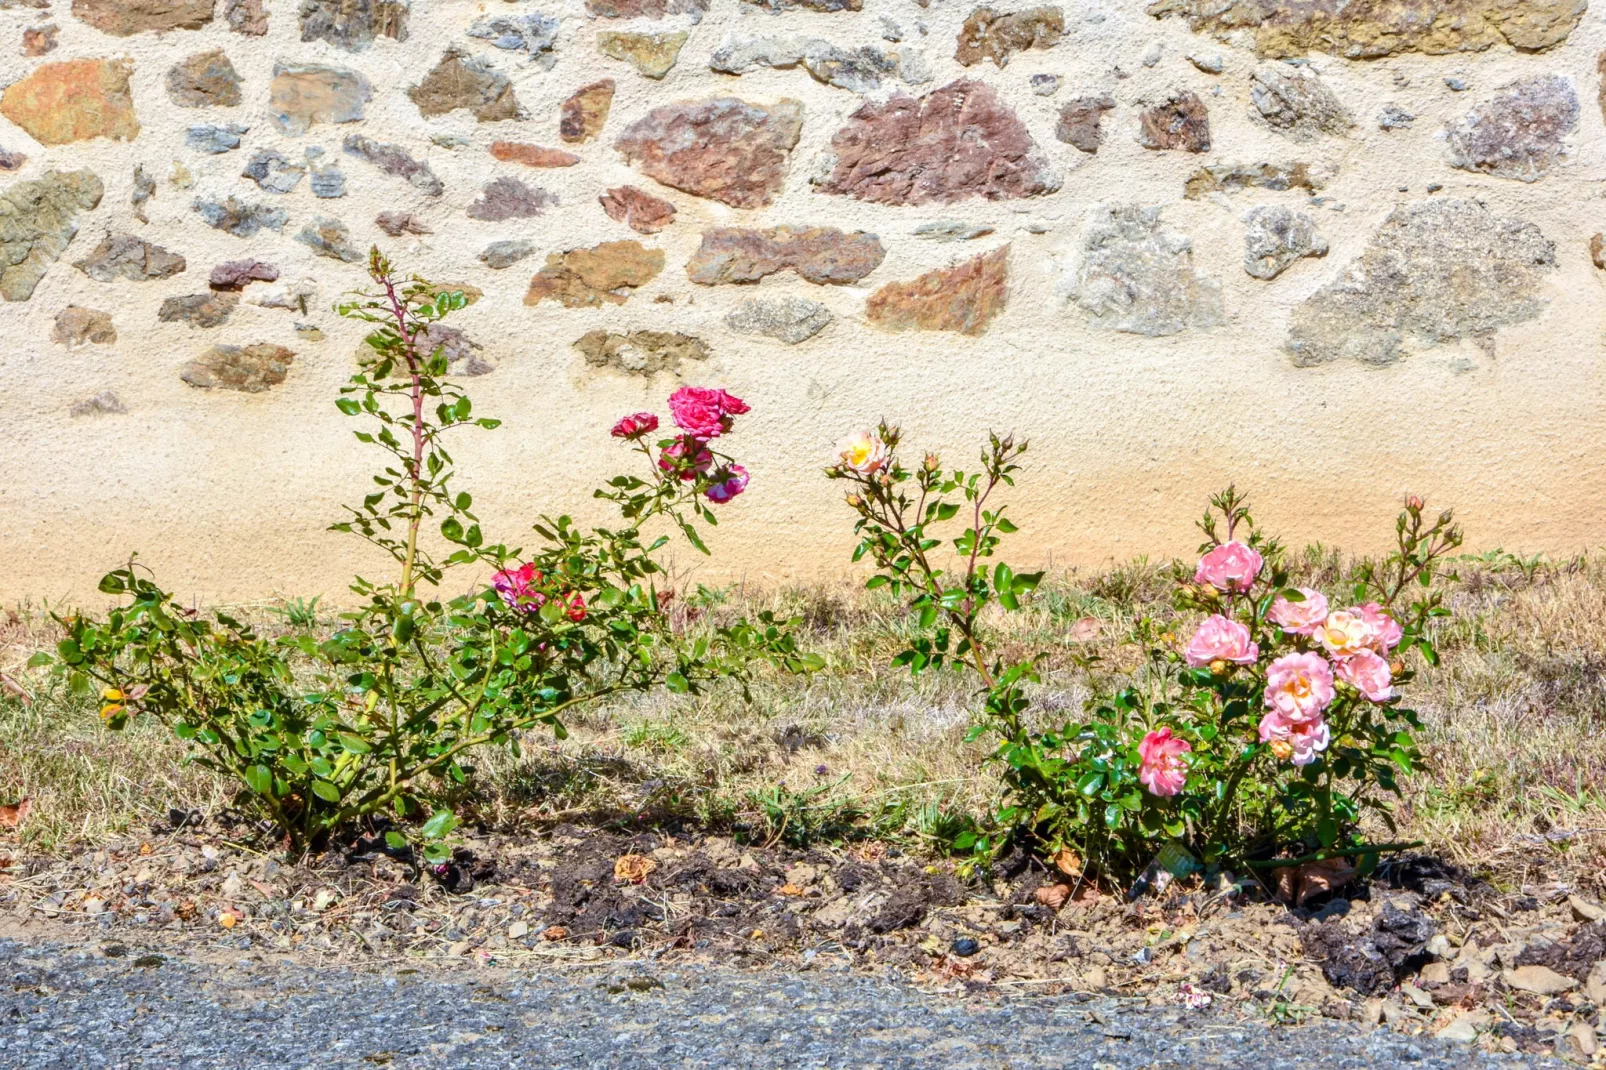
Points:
(641, 352)
(508, 198)
(786, 319)
(273, 172)
(248, 369)
(1394, 117)
(12, 161)
(859, 70)
(297, 295)
(1520, 133)
(303, 94)
(144, 188)
(395, 160)
(249, 17)
(127, 257)
(237, 274)
(77, 327)
(353, 24)
(1275, 236)
(211, 309)
(398, 223)
(104, 403)
(503, 254)
(951, 230)
(328, 182)
(1045, 85)
(329, 237)
(1080, 119)
(1230, 178)
(464, 356)
(1137, 276)
(204, 80)
(1437, 270)
(240, 218)
(534, 33)
(37, 221)
(1211, 64)
(1294, 101)
(214, 139)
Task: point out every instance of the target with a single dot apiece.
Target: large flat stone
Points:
(819, 254)
(124, 18)
(989, 34)
(785, 319)
(603, 274)
(247, 369)
(467, 82)
(1520, 133)
(127, 257)
(301, 95)
(1137, 276)
(725, 149)
(963, 298)
(641, 352)
(74, 100)
(38, 219)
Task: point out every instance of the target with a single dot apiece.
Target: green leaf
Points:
(354, 744)
(440, 824)
(259, 779)
(395, 840)
(677, 683)
(325, 791)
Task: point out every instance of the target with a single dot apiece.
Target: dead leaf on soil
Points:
(1068, 862)
(9, 686)
(633, 869)
(1053, 896)
(788, 889)
(1297, 884)
(1085, 896)
(12, 816)
(554, 932)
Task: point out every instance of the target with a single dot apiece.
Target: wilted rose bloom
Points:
(1163, 770)
(1386, 631)
(863, 452)
(1220, 639)
(703, 412)
(687, 457)
(730, 404)
(517, 587)
(734, 481)
(1368, 672)
(635, 425)
(1232, 566)
(1298, 741)
(1299, 686)
(1299, 618)
(1344, 633)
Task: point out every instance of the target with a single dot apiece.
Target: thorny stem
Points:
(416, 467)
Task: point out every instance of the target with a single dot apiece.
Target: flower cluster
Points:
(702, 414)
(520, 588)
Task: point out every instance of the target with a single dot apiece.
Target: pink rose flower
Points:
(1296, 741)
(517, 587)
(1345, 633)
(1386, 631)
(1232, 566)
(1220, 639)
(1299, 686)
(1368, 672)
(733, 483)
(1163, 770)
(686, 457)
(863, 452)
(731, 404)
(703, 412)
(635, 425)
(1299, 618)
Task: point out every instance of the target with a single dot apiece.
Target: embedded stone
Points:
(535, 34)
(859, 70)
(394, 160)
(128, 257)
(211, 309)
(532, 155)
(1181, 122)
(249, 17)
(330, 238)
(1437, 270)
(236, 274)
(1230, 178)
(38, 219)
(988, 34)
(652, 54)
(786, 319)
(40, 40)
(303, 94)
(292, 296)
(1282, 30)
(77, 327)
(74, 100)
(1597, 250)
(104, 403)
(582, 116)
(508, 198)
(1520, 133)
(1275, 236)
(504, 254)
(640, 211)
(952, 143)
(1295, 101)
(214, 139)
(398, 223)
(124, 18)
(248, 369)
(12, 161)
(142, 190)
(464, 356)
(646, 9)
(582, 278)
(463, 81)
(1080, 119)
(963, 298)
(273, 172)
(819, 255)
(725, 149)
(205, 80)
(328, 180)
(1137, 276)
(946, 230)
(775, 7)
(1046, 85)
(1394, 117)
(240, 218)
(353, 24)
(641, 352)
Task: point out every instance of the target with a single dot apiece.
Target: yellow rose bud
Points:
(1283, 749)
(1218, 667)
(111, 694)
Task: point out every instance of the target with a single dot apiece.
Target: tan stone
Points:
(39, 40)
(724, 149)
(204, 80)
(963, 298)
(1230, 178)
(248, 369)
(1541, 980)
(583, 115)
(463, 81)
(988, 34)
(652, 54)
(74, 100)
(640, 211)
(37, 221)
(77, 326)
(641, 352)
(820, 255)
(532, 155)
(302, 95)
(582, 278)
(1595, 984)
(126, 257)
(122, 18)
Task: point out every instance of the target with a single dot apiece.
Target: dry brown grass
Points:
(1514, 716)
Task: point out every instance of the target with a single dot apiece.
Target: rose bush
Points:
(382, 716)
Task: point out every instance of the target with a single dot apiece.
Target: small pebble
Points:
(965, 947)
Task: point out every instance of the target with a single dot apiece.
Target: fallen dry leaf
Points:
(633, 869)
(1285, 881)
(554, 932)
(1319, 878)
(1086, 895)
(1068, 862)
(12, 816)
(1053, 896)
(1086, 628)
(788, 889)
(8, 686)
(227, 920)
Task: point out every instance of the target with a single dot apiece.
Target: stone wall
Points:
(1331, 250)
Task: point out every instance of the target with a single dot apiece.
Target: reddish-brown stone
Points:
(724, 149)
(963, 298)
(819, 254)
(532, 155)
(122, 18)
(1180, 123)
(988, 34)
(955, 142)
(641, 212)
(581, 278)
(38, 40)
(73, 101)
(583, 114)
(1080, 119)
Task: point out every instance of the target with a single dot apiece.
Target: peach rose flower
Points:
(1296, 741)
(1163, 770)
(1220, 639)
(863, 452)
(1232, 566)
(1299, 686)
(1299, 618)
(1386, 631)
(1368, 672)
(1345, 633)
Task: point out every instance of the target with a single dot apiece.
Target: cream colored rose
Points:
(863, 452)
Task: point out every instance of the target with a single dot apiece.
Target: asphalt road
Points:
(67, 1008)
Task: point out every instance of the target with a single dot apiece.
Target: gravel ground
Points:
(66, 1007)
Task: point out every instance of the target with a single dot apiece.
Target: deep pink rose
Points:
(1368, 672)
(1220, 639)
(1299, 686)
(1296, 741)
(686, 457)
(734, 481)
(703, 412)
(731, 404)
(1232, 566)
(517, 587)
(1299, 618)
(635, 426)
(1163, 770)
(1386, 631)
